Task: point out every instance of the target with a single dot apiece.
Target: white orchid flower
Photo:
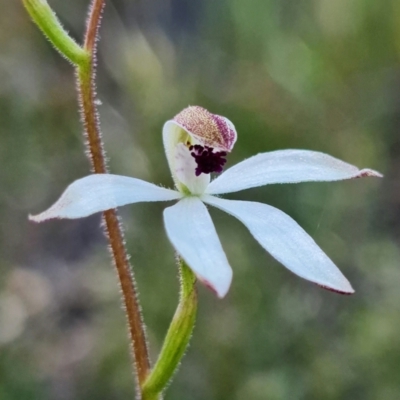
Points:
(196, 143)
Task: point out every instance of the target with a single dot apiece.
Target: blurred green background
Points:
(316, 74)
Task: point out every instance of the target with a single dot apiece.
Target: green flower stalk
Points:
(49, 24)
(178, 336)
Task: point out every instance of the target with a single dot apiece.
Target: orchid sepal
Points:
(285, 166)
(286, 241)
(101, 192)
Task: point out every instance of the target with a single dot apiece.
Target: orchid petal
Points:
(172, 135)
(191, 231)
(286, 241)
(100, 192)
(285, 166)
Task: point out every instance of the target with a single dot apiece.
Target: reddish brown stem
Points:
(85, 77)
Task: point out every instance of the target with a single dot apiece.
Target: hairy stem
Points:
(85, 81)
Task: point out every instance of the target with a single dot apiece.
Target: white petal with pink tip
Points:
(285, 166)
(191, 231)
(286, 241)
(100, 192)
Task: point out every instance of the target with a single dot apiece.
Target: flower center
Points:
(207, 161)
